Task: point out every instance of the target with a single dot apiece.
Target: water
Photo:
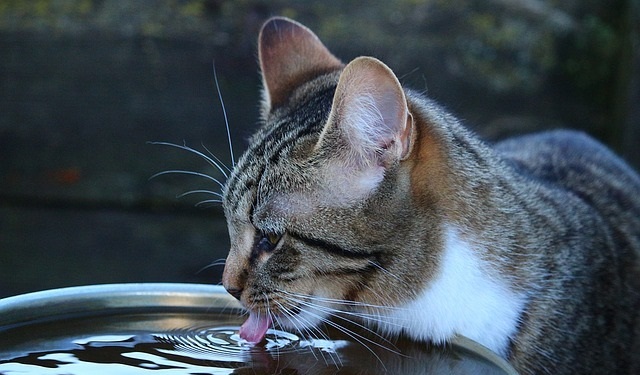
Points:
(148, 344)
(201, 343)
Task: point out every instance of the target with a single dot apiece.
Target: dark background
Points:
(85, 84)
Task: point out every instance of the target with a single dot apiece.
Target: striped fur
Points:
(529, 246)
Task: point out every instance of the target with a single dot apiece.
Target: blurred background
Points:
(86, 84)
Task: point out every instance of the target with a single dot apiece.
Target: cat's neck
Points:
(464, 298)
(476, 190)
(461, 173)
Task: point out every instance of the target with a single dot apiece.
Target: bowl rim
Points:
(99, 299)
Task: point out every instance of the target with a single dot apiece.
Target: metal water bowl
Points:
(159, 328)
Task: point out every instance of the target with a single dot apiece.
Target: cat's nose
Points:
(236, 292)
(234, 276)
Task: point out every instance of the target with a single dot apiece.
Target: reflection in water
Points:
(219, 350)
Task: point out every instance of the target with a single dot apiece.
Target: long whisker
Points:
(272, 318)
(305, 326)
(199, 192)
(373, 316)
(297, 325)
(365, 316)
(209, 203)
(224, 113)
(345, 303)
(213, 156)
(338, 314)
(387, 272)
(362, 340)
(303, 300)
(215, 263)
(211, 161)
(192, 173)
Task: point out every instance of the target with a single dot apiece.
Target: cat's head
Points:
(319, 207)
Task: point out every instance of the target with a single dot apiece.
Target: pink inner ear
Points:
(391, 109)
(391, 106)
(366, 131)
(370, 108)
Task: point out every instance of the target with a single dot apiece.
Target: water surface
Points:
(201, 343)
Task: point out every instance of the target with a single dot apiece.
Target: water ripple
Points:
(224, 343)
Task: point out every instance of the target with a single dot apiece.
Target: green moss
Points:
(592, 54)
(193, 8)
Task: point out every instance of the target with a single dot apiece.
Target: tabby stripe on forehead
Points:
(309, 117)
(295, 126)
(309, 120)
(332, 248)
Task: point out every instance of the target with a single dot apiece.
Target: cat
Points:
(358, 195)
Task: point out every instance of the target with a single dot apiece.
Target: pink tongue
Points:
(255, 328)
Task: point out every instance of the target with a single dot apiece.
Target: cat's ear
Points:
(290, 54)
(370, 127)
(370, 113)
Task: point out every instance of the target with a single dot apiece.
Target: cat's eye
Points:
(268, 241)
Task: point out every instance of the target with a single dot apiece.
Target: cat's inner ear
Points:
(369, 128)
(290, 54)
(370, 114)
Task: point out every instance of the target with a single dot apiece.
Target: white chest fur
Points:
(465, 298)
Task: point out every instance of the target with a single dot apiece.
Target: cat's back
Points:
(579, 175)
(583, 167)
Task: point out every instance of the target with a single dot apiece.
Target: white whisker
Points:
(192, 173)
(210, 161)
(215, 263)
(295, 322)
(212, 155)
(362, 340)
(199, 192)
(312, 329)
(345, 303)
(304, 326)
(375, 317)
(339, 315)
(224, 113)
(307, 300)
(209, 203)
(387, 272)
(303, 300)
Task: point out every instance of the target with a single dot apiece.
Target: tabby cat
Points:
(357, 194)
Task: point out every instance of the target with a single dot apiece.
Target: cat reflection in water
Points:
(360, 199)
